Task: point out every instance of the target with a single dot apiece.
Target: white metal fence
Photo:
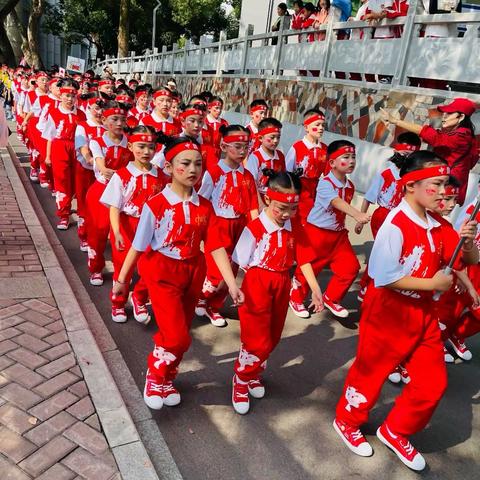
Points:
(454, 59)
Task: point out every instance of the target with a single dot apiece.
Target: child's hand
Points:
(468, 230)
(317, 302)
(475, 298)
(108, 173)
(362, 217)
(48, 161)
(119, 242)
(237, 295)
(387, 117)
(119, 288)
(441, 281)
(358, 228)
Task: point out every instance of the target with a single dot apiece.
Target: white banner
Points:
(76, 65)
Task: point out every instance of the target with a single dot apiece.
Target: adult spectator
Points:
(297, 17)
(108, 72)
(322, 17)
(282, 22)
(455, 141)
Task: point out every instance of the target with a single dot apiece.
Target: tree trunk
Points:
(123, 28)
(7, 53)
(36, 13)
(17, 34)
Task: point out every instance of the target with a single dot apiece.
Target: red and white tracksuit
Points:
(260, 159)
(170, 232)
(400, 327)
(40, 109)
(128, 190)
(386, 191)
(312, 158)
(233, 195)
(60, 126)
(266, 251)
(169, 126)
(254, 140)
(138, 113)
(116, 156)
(31, 130)
(84, 176)
(211, 131)
(328, 242)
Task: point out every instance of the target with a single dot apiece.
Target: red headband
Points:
(162, 93)
(92, 101)
(190, 112)
(139, 94)
(113, 111)
(313, 118)
(216, 103)
(405, 146)
(451, 190)
(42, 74)
(267, 130)
(53, 81)
(282, 197)
(181, 147)
(341, 151)
(258, 108)
(123, 99)
(104, 82)
(141, 137)
(68, 90)
(239, 137)
(424, 173)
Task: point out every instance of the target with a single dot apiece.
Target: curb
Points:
(105, 372)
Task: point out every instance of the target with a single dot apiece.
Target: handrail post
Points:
(164, 54)
(145, 65)
(221, 38)
(132, 54)
(185, 53)
(407, 34)
(278, 50)
(174, 48)
(248, 31)
(200, 54)
(330, 37)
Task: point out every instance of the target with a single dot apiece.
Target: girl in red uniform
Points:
(265, 251)
(160, 118)
(126, 193)
(109, 153)
(398, 324)
(258, 111)
(327, 235)
(141, 108)
(309, 154)
(232, 191)
(84, 176)
(59, 131)
(213, 122)
(267, 155)
(171, 228)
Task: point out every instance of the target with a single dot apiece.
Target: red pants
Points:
(174, 287)
(31, 143)
(394, 330)
(98, 227)
(332, 249)
(83, 181)
(469, 324)
(262, 318)
(45, 174)
(228, 232)
(63, 167)
(378, 217)
(128, 227)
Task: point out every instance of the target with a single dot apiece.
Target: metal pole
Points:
(154, 30)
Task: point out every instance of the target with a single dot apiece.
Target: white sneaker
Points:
(256, 388)
(448, 356)
(171, 396)
(395, 376)
(215, 318)
(152, 393)
(460, 348)
(96, 279)
(353, 438)
(140, 311)
(240, 400)
(299, 309)
(119, 315)
(201, 307)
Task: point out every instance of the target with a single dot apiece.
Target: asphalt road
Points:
(287, 435)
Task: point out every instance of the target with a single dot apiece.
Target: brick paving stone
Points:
(57, 472)
(47, 456)
(56, 338)
(38, 305)
(7, 303)
(5, 362)
(94, 422)
(23, 375)
(34, 329)
(87, 437)
(57, 366)
(11, 472)
(7, 333)
(32, 343)
(76, 370)
(55, 384)
(53, 405)
(3, 381)
(82, 409)
(88, 466)
(27, 358)
(36, 317)
(48, 430)
(12, 310)
(10, 321)
(15, 419)
(56, 352)
(79, 389)
(15, 446)
(55, 315)
(7, 346)
(56, 326)
(19, 396)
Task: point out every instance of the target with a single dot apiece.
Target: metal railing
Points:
(455, 58)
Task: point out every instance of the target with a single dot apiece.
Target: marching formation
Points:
(186, 200)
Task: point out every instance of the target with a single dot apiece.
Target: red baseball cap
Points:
(461, 105)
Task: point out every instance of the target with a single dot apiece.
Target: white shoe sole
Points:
(240, 407)
(200, 311)
(84, 249)
(342, 314)
(44, 185)
(155, 403)
(467, 356)
(421, 462)
(448, 358)
(258, 392)
(62, 227)
(368, 451)
(96, 283)
(217, 323)
(172, 400)
(395, 378)
(305, 314)
(119, 318)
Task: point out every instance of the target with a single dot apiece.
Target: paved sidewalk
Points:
(50, 418)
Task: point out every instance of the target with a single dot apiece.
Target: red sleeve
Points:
(252, 190)
(450, 241)
(402, 13)
(459, 141)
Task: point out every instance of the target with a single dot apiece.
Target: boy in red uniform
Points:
(141, 108)
(327, 235)
(398, 322)
(213, 122)
(258, 111)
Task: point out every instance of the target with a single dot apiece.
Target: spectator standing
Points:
(297, 17)
(322, 17)
(282, 22)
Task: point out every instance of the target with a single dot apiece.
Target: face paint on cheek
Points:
(430, 191)
(315, 129)
(441, 205)
(180, 170)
